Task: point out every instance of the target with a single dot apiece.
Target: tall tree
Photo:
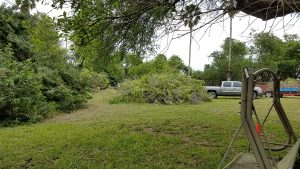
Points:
(45, 42)
(289, 66)
(267, 49)
(217, 70)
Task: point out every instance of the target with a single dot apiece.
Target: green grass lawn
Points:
(135, 135)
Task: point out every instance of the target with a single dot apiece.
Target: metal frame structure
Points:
(259, 158)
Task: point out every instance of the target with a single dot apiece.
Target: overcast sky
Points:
(205, 43)
(213, 39)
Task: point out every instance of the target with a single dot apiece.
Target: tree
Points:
(197, 74)
(268, 50)
(127, 24)
(159, 65)
(131, 60)
(289, 66)
(46, 42)
(26, 5)
(132, 24)
(217, 70)
(12, 32)
(177, 63)
(291, 37)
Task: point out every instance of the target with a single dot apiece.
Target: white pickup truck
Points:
(230, 88)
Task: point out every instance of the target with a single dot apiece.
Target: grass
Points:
(135, 135)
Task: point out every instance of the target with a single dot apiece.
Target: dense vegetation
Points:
(168, 88)
(37, 78)
(265, 51)
(134, 27)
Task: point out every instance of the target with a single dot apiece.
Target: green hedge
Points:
(162, 88)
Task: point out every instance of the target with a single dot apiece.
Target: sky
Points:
(205, 41)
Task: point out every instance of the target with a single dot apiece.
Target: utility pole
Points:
(231, 15)
(229, 72)
(190, 50)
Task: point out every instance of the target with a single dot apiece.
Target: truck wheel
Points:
(268, 94)
(254, 95)
(212, 94)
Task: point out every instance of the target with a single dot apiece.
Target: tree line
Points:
(265, 50)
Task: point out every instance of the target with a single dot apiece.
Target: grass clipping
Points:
(162, 89)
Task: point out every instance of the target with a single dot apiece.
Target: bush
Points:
(94, 80)
(21, 94)
(37, 78)
(30, 91)
(162, 88)
(64, 88)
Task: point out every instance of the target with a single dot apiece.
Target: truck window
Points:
(226, 84)
(237, 84)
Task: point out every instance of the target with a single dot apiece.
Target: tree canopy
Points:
(133, 25)
(266, 50)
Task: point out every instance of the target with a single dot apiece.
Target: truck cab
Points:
(230, 88)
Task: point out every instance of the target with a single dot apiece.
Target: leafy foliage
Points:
(131, 25)
(36, 77)
(94, 80)
(160, 64)
(97, 59)
(162, 88)
(12, 32)
(267, 49)
(289, 66)
(177, 63)
(217, 70)
(21, 93)
(26, 5)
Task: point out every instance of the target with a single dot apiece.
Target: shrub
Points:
(30, 91)
(162, 88)
(94, 80)
(21, 96)
(64, 88)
